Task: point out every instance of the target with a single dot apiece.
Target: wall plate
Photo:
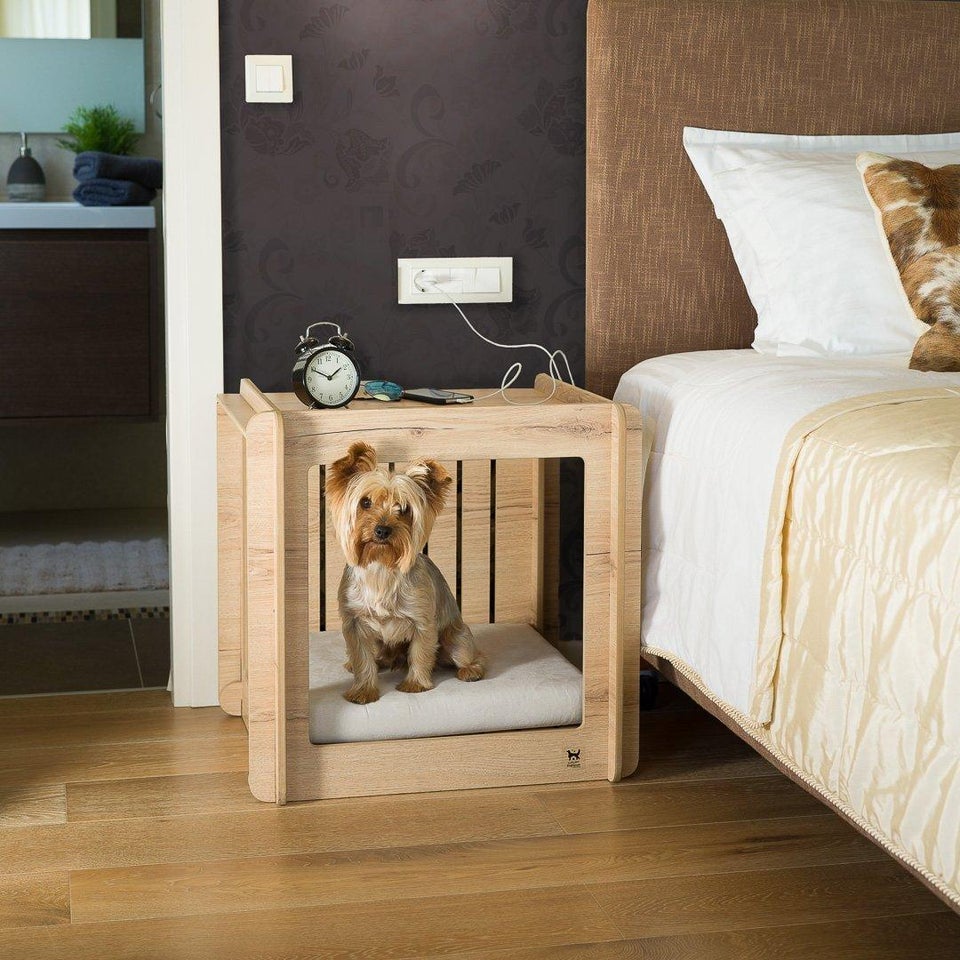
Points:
(493, 285)
(269, 77)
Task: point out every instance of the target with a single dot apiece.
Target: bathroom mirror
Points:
(71, 19)
(57, 55)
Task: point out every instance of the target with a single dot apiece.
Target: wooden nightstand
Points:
(280, 566)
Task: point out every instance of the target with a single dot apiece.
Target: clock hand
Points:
(335, 372)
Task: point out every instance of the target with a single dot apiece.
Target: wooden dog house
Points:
(280, 566)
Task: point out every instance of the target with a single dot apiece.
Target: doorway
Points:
(84, 547)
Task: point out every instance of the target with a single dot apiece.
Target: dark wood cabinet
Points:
(78, 335)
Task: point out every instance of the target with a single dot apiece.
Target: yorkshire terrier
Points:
(395, 605)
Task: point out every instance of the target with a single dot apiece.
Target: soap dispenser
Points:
(25, 181)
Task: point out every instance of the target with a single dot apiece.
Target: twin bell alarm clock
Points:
(325, 375)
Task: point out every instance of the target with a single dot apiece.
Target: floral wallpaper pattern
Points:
(434, 127)
(418, 127)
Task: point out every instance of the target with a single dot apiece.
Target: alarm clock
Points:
(325, 375)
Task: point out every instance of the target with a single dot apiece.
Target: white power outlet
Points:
(464, 279)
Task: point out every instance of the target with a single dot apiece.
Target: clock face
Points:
(331, 378)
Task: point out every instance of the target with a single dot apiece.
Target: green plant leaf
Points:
(101, 129)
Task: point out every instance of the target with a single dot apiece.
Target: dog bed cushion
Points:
(528, 684)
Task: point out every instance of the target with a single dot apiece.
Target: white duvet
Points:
(718, 421)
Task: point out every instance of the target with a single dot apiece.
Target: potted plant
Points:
(100, 129)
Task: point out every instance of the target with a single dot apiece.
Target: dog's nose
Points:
(382, 531)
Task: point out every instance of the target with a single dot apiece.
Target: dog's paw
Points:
(473, 671)
(413, 686)
(362, 695)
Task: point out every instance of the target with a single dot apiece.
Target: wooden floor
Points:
(126, 831)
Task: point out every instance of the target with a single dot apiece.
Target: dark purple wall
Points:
(433, 127)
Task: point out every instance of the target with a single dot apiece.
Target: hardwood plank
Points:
(72, 704)
(330, 826)
(120, 726)
(683, 905)
(27, 804)
(632, 805)
(924, 937)
(158, 758)
(517, 864)
(390, 930)
(197, 795)
(35, 900)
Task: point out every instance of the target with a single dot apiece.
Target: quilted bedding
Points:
(859, 656)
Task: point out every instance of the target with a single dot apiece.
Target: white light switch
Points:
(269, 78)
(488, 280)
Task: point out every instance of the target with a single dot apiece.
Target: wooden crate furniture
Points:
(280, 566)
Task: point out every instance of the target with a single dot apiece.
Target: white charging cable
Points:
(515, 370)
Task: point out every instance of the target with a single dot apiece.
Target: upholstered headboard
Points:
(660, 277)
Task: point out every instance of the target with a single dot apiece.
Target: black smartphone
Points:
(432, 395)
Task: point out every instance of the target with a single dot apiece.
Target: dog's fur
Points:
(395, 605)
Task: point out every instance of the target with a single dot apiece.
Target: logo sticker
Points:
(573, 758)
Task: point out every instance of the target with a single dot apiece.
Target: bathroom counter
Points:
(68, 215)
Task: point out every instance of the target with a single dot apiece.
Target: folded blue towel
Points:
(108, 166)
(112, 193)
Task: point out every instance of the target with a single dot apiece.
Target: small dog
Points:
(395, 605)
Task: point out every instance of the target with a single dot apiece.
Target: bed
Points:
(801, 514)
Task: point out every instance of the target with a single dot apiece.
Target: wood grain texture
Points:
(718, 865)
(264, 578)
(380, 930)
(33, 900)
(27, 805)
(634, 804)
(324, 827)
(108, 761)
(521, 864)
(515, 574)
(119, 726)
(284, 444)
(770, 898)
(895, 937)
(179, 796)
(475, 540)
(74, 704)
(231, 558)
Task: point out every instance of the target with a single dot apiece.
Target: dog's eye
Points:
(366, 503)
(404, 509)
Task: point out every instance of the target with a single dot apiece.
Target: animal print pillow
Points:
(919, 212)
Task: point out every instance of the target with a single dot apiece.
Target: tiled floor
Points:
(83, 655)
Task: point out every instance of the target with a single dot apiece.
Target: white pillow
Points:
(804, 235)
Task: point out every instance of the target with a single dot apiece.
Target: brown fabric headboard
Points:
(660, 276)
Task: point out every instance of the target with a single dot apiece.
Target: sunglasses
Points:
(382, 390)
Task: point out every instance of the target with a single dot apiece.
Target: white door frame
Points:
(190, 50)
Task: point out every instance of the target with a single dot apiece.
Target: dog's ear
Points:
(360, 458)
(434, 480)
